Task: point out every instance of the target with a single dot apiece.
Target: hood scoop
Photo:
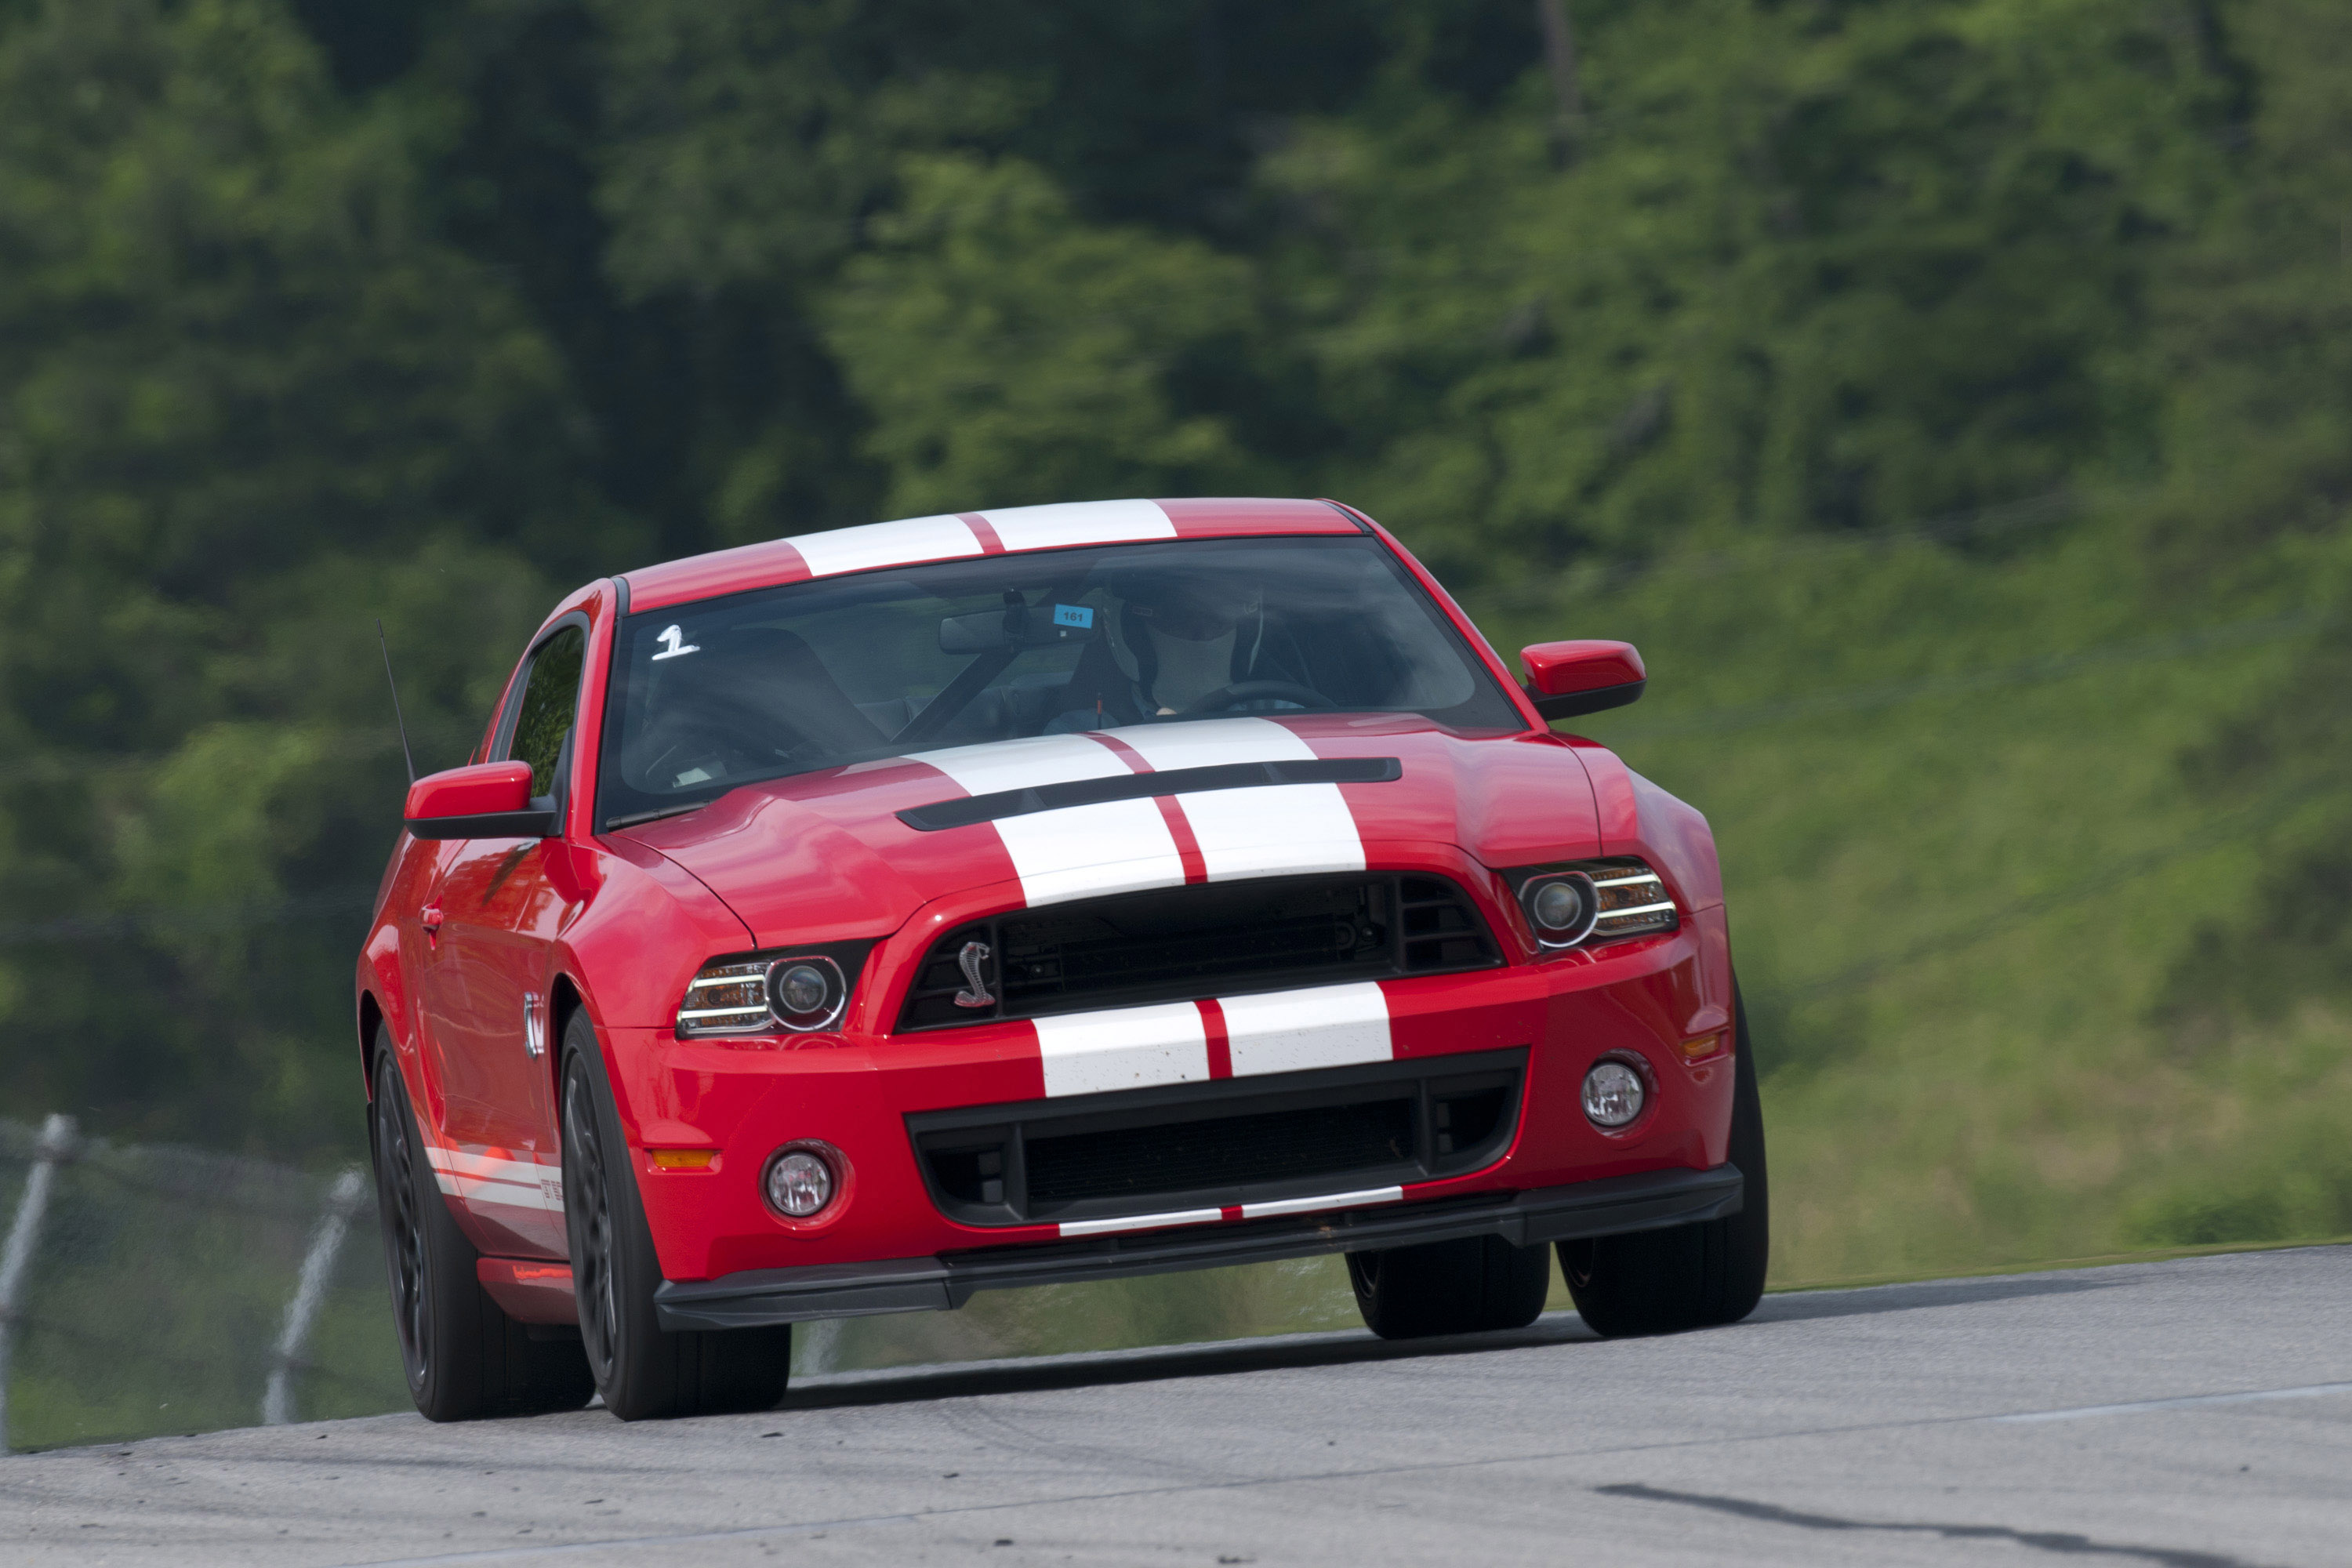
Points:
(964, 811)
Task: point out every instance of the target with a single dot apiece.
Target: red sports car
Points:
(853, 922)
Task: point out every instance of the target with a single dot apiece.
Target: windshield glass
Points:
(707, 696)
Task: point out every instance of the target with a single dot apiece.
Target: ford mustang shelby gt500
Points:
(850, 924)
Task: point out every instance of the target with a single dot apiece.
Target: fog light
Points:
(800, 1182)
(1613, 1093)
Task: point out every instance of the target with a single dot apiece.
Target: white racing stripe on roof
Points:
(1079, 851)
(1141, 1222)
(1025, 763)
(1126, 1048)
(1066, 523)
(1322, 1027)
(1212, 742)
(909, 539)
(1330, 1201)
(1272, 831)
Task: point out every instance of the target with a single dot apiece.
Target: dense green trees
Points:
(312, 313)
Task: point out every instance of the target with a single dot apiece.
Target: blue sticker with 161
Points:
(1077, 616)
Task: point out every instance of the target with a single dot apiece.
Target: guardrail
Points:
(151, 1288)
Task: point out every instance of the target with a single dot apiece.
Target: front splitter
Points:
(1611, 1205)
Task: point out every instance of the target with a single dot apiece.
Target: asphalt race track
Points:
(2190, 1414)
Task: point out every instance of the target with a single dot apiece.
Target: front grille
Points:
(1268, 1146)
(1178, 943)
(1219, 1144)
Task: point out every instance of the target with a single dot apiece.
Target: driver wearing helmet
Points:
(1176, 644)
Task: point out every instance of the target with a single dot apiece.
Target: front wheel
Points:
(1466, 1287)
(1691, 1276)
(642, 1370)
(464, 1357)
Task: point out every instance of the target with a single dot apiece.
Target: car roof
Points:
(951, 535)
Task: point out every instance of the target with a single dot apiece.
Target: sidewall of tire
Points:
(655, 1373)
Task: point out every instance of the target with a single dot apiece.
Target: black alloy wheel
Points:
(464, 1357)
(642, 1371)
(1475, 1285)
(1691, 1276)
(588, 1224)
(395, 1162)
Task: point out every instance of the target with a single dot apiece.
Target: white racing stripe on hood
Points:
(1292, 1031)
(1212, 742)
(1126, 1048)
(997, 765)
(1080, 852)
(872, 544)
(1274, 831)
(1066, 523)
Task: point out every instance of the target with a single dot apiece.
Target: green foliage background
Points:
(1952, 396)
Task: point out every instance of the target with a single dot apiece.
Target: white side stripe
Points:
(1292, 1031)
(1276, 830)
(1127, 1048)
(998, 765)
(487, 1179)
(1141, 1222)
(1079, 522)
(1214, 743)
(1332, 1201)
(1112, 847)
(874, 544)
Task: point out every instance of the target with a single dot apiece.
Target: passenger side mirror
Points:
(1568, 678)
(487, 800)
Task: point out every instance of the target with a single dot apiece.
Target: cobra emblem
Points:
(976, 994)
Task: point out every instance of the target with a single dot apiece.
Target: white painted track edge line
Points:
(2183, 1402)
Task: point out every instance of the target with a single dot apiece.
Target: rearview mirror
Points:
(1017, 626)
(487, 800)
(1568, 678)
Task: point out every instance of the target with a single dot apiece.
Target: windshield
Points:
(707, 696)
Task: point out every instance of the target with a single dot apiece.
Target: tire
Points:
(644, 1372)
(1466, 1287)
(1691, 1276)
(464, 1357)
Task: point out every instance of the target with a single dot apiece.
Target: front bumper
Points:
(876, 1101)
(1609, 1206)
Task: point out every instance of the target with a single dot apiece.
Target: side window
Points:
(551, 696)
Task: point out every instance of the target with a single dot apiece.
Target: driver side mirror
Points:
(487, 800)
(1568, 678)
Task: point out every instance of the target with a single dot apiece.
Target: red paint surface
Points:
(622, 921)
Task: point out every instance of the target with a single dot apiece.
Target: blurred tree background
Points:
(1954, 397)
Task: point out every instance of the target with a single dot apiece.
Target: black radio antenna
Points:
(405, 754)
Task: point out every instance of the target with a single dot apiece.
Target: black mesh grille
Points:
(1222, 1142)
(1182, 943)
(1273, 1145)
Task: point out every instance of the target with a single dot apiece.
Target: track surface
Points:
(2190, 1414)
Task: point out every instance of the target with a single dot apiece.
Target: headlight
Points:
(1593, 900)
(764, 993)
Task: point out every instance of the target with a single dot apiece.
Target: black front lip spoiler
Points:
(1610, 1206)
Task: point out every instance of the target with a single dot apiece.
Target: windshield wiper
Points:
(655, 815)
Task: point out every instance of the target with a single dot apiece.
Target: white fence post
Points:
(342, 1202)
(56, 1146)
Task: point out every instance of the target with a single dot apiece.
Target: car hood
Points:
(828, 855)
